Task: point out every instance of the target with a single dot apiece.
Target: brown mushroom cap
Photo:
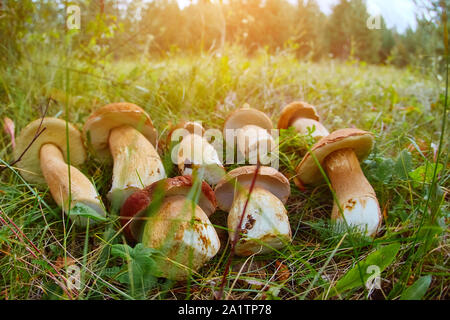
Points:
(268, 178)
(358, 140)
(247, 116)
(294, 110)
(190, 126)
(99, 124)
(137, 202)
(54, 133)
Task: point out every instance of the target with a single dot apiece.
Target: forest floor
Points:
(402, 108)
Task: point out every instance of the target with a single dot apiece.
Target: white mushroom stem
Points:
(136, 163)
(265, 225)
(83, 195)
(254, 142)
(184, 235)
(196, 152)
(305, 125)
(355, 194)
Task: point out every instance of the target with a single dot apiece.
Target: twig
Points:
(39, 131)
(237, 234)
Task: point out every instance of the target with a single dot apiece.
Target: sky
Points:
(397, 13)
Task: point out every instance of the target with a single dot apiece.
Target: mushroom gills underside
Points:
(265, 225)
(183, 235)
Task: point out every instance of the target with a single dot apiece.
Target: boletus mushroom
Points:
(304, 118)
(252, 130)
(125, 132)
(265, 225)
(45, 163)
(339, 153)
(178, 227)
(195, 152)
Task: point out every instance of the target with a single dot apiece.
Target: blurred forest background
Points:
(122, 28)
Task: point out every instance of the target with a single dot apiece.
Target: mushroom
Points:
(253, 137)
(179, 228)
(194, 152)
(265, 225)
(303, 117)
(44, 163)
(125, 132)
(339, 153)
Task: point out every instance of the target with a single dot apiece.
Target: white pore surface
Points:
(364, 215)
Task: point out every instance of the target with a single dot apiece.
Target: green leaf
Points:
(44, 264)
(82, 210)
(417, 290)
(139, 269)
(380, 169)
(403, 164)
(380, 258)
(424, 173)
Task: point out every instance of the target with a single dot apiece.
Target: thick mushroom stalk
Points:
(355, 195)
(83, 196)
(183, 233)
(136, 163)
(265, 225)
(125, 132)
(305, 125)
(254, 142)
(42, 161)
(163, 217)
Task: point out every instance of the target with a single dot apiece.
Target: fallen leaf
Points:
(9, 127)
(283, 273)
(62, 262)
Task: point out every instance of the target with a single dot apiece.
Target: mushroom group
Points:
(339, 154)
(195, 152)
(177, 226)
(172, 214)
(44, 162)
(126, 133)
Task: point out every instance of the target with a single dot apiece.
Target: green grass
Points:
(403, 108)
